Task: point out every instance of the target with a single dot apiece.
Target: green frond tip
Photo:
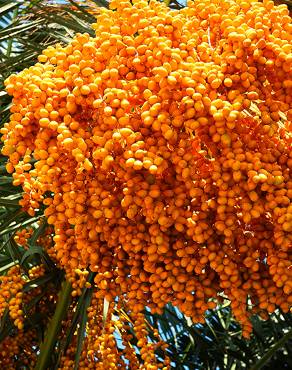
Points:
(54, 327)
(266, 357)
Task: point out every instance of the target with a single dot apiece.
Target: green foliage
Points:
(218, 343)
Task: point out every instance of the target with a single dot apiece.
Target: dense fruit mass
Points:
(162, 151)
(18, 290)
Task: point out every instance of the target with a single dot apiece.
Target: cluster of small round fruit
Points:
(162, 151)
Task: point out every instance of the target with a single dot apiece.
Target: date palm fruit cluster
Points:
(11, 295)
(109, 347)
(162, 151)
(17, 291)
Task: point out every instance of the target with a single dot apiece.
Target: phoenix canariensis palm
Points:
(26, 28)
